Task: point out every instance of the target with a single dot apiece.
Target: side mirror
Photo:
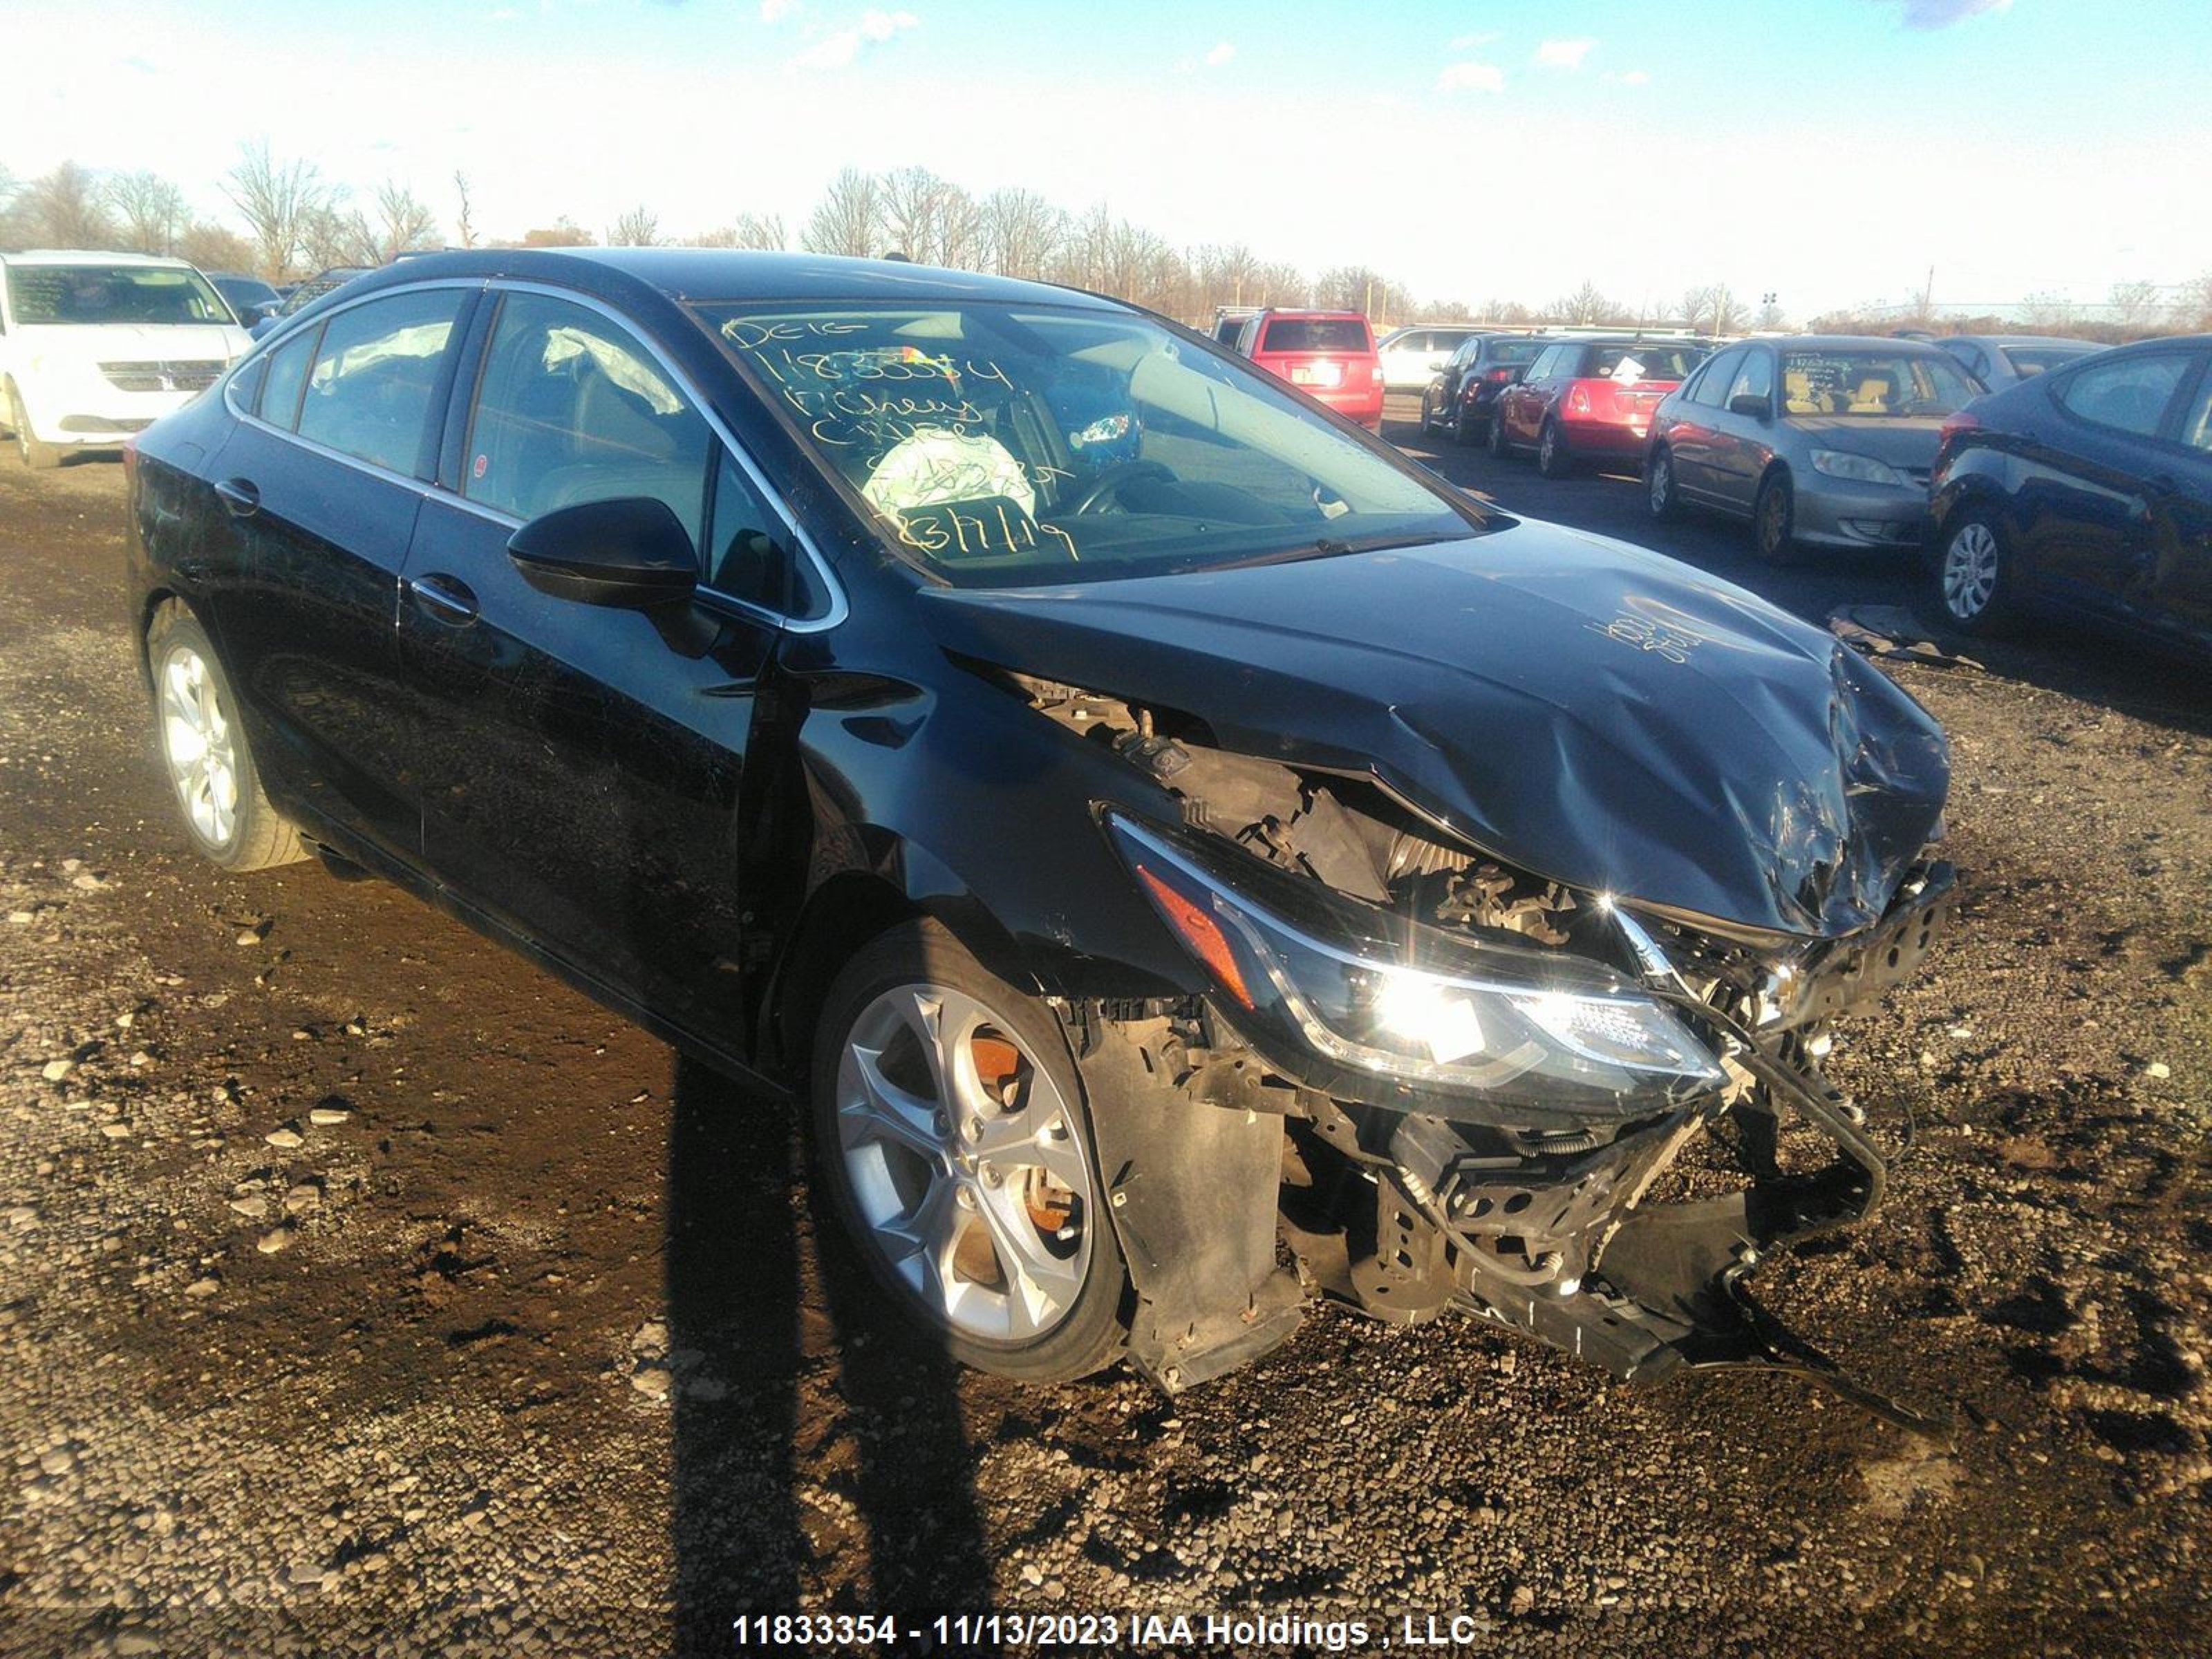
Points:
(630, 553)
(1748, 403)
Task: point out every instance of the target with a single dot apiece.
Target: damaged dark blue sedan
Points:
(1191, 861)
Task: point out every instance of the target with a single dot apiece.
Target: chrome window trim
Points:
(838, 608)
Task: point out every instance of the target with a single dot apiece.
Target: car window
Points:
(376, 374)
(2130, 395)
(90, 294)
(1712, 386)
(746, 552)
(2196, 425)
(997, 445)
(1315, 334)
(1642, 360)
(1874, 385)
(2028, 361)
(1753, 379)
(1546, 360)
(287, 379)
(1513, 352)
(571, 408)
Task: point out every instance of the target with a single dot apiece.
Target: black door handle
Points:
(446, 598)
(239, 496)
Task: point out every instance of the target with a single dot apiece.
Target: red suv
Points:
(1589, 399)
(1328, 354)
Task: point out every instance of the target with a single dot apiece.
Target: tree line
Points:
(296, 222)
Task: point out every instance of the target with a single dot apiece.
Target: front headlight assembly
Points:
(1354, 1000)
(1858, 469)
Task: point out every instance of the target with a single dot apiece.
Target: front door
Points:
(585, 781)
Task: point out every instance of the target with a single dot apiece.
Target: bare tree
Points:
(405, 222)
(1712, 310)
(1586, 305)
(929, 219)
(276, 199)
(637, 226)
(151, 210)
(1282, 284)
(214, 248)
(849, 219)
(465, 224)
(1021, 232)
(331, 233)
(65, 208)
(2137, 303)
(1507, 311)
(2193, 304)
(563, 232)
(1769, 319)
(2047, 311)
(750, 230)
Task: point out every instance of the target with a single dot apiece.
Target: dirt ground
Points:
(364, 1291)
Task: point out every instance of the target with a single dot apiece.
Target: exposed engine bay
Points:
(1615, 1222)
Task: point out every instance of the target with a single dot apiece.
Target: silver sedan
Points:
(1821, 441)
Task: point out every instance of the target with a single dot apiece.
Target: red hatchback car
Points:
(1328, 354)
(1589, 399)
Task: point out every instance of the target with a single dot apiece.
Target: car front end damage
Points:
(1446, 1083)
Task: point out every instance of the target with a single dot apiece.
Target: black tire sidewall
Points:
(1091, 1336)
(1659, 470)
(1553, 462)
(1785, 552)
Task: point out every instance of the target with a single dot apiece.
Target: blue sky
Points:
(1830, 150)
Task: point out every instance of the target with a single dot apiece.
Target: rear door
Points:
(585, 784)
(322, 476)
(2180, 600)
(2090, 497)
(1693, 431)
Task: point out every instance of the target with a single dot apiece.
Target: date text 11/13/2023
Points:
(1105, 1633)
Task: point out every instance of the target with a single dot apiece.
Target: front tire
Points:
(1773, 520)
(950, 1126)
(1500, 445)
(1428, 411)
(1972, 574)
(203, 746)
(38, 455)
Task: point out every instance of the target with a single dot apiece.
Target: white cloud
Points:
(1565, 54)
(1474, 42)
(1942, 14)
(1221, 54)
(840, 47)
(775, 11)
(1633, 78)
(1471, 77)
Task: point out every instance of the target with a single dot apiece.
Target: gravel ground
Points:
(364, 1291)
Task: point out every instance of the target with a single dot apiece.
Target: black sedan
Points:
(1146, 818)
(1460, 398)
(2084, 493)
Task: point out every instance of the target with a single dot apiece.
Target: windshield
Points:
(1877, 384)
(2028, 361)
(113, 293)
(1006, 447)
(1315, 334)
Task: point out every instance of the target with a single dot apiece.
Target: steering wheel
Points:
(1108, 483)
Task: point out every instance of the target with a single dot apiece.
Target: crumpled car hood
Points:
(1592, 713)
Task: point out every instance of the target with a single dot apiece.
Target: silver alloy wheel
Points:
(965, 1163)
(196, 742)
(1970, 571)
(1547, 445)
(1661, 482)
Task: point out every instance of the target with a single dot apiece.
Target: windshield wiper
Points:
(1326, 547)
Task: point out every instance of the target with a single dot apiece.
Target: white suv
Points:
(95, 347)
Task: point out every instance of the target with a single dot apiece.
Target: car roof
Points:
(63, 256)
(1313, 311)
(2024, 340)
(708, 273)
(1854, 342)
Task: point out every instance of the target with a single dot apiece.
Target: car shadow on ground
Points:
(783, 1357)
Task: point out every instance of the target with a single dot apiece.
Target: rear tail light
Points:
(1578, 401)
(1962, 420)
(1500, 373)
(1375, 375)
